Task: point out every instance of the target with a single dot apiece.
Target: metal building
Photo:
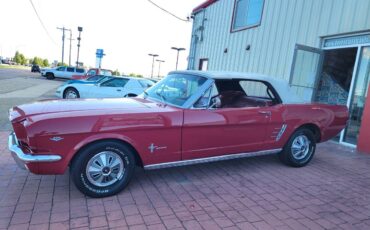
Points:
(321, 46)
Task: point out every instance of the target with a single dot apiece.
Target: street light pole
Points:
(63, 36)
(78, 44)
(70, 46)
(178, 51)
(159, 67)
(154, 56)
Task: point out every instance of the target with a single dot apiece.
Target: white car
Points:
(111, 88)
(62, 72)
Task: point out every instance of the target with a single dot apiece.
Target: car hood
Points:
(74, 106)
(78, 82)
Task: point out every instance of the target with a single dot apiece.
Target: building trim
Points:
(203, 6)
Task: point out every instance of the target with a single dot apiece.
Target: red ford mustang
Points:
(189, 117)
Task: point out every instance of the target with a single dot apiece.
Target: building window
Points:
(247, 13)
(203, 64)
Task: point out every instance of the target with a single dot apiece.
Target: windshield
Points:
(176, 89)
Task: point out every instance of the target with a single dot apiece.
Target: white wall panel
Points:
(284, 23)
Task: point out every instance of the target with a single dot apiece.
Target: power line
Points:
(42, 24)
(184, 20)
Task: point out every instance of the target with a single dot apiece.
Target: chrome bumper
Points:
(21, 158)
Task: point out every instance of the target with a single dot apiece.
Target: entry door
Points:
(357, 98)
(306, 67)
(212, 132)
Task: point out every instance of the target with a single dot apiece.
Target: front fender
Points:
(98, 137)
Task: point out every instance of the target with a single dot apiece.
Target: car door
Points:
(69, 72)
(212, 132)
(60, 71)
(110, 89)
(132, 87)
(218, 131)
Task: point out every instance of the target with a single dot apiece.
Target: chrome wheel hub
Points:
(71, 94)
(104, 169)
(300, 147)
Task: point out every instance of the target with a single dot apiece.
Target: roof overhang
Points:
(203, 6)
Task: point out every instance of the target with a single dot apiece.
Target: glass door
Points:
(307, 63)
(358, 97)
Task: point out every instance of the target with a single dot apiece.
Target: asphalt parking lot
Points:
(332, 192)
(22, 86)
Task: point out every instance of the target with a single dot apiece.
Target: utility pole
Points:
(63, 36)
(78, 44)
(70, 46)
(159, 67)
(178, 51)
(154, 56)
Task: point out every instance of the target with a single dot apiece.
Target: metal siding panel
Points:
(264, 36)
(284, 23)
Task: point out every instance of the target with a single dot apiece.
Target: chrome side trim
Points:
(282, 130)
(21, 158)
(211, 159)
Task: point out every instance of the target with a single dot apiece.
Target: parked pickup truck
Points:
(92, 72)
(62, 72)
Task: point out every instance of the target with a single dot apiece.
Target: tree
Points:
(116, 73)
(37, 61)
(45, 63)
(17, 57)
(61, 64)
(23, 59)
(135, 75)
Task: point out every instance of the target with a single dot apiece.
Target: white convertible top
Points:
(282, 87)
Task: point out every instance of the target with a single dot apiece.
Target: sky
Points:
(127, 31)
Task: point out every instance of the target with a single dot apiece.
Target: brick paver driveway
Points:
(333, 192)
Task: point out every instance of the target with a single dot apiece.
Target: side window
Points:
(106, 73)
(62, 68)
(208, 98)
(70, 69)
(80, 70)
(117, 82)
(255, 89)
(91, 72)
(146, 83)
(247, 13)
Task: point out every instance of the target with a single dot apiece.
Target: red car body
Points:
(92, 72)
(140, 122)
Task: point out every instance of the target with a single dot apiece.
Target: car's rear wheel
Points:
(103, 169)
(50, 76)
(299, 149)
(71, 93)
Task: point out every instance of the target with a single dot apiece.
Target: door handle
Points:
(119, 90)
(266, 113)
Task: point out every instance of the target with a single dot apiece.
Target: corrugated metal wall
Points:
(284, 24)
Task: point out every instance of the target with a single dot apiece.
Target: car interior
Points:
(237, 93)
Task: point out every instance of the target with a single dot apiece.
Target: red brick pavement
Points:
(333, 192)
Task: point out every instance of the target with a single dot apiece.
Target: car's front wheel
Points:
(103, 169)
(299, 149)
(50, 76)
(71, 93)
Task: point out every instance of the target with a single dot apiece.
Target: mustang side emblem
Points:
(152, 147)
(56, 139)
